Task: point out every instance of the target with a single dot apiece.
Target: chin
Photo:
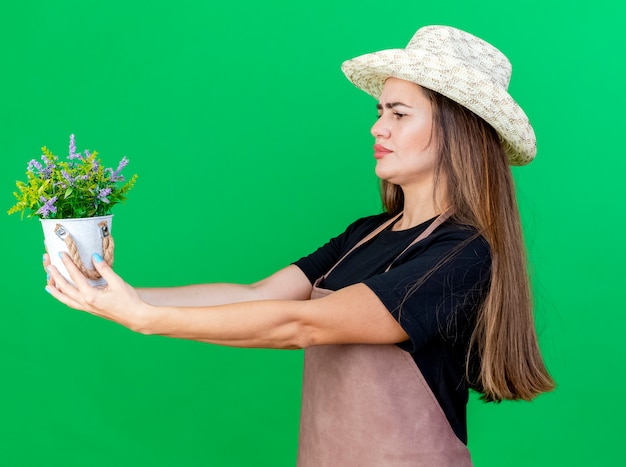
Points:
(386, 176)
(382, 173)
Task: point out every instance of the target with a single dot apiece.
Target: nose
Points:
(380, 129)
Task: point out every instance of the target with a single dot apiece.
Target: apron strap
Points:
(430, 229)
(371, 235)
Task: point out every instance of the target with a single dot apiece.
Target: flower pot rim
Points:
(77, 219)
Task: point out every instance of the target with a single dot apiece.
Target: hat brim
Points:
(483, 96)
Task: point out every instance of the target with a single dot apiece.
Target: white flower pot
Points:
(80, 238)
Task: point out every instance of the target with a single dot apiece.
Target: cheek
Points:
(421, 140)
(421, 152)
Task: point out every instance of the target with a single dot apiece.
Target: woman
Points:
(408, 308)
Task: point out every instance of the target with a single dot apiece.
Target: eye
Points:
(399, 115)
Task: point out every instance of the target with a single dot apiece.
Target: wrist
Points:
(145, 319)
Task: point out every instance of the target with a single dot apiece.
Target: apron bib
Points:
(369, 405)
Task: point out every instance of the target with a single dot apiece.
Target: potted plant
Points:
(73, 199)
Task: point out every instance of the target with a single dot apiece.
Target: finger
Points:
(63, 298)
(46, 262)
(61, 283)
(105, 270)
(79, 292)
(78, 278)
(82, 297)
(63, 290)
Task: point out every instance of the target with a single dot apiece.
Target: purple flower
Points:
(48, 207)
(123, 163)
(73, 154)
(47, 172)
(102, 196)
(116, 176)
(68, 178)
(34, 164)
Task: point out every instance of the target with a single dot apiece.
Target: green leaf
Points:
(68, 192)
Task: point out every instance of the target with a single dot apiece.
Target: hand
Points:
(46, 265)
(117, 301)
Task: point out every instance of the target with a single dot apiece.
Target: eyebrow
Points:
(391, 105)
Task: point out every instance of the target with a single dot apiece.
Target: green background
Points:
(252, 150)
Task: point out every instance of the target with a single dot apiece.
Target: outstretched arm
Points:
(289, 283)
(351, 315)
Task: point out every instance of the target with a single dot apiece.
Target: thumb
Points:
(104, 268)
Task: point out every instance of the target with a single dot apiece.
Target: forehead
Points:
(399, 90)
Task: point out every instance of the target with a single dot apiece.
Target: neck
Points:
(419, 206)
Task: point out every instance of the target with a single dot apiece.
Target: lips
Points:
(380, 151)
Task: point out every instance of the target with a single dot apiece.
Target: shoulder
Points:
(364, 225)
(459, 238)
(321, 260)
(457, 230)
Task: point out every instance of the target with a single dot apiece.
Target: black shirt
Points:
(433, 290)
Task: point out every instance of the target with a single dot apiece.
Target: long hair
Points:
(473, 167)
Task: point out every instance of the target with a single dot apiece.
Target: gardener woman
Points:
(406, 310)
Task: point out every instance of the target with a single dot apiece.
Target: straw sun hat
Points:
(463, 68)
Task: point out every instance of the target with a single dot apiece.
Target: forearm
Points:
(199, 294)
(289, 283)
(261, 324)
(353, 315)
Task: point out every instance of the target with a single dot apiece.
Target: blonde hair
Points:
(478, 182)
